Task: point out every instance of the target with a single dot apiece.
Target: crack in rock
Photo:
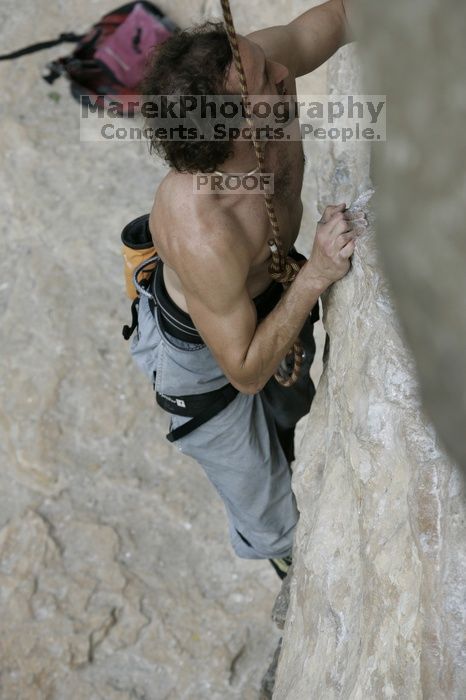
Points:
(98, 635)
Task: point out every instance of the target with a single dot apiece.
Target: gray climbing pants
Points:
(242, 449)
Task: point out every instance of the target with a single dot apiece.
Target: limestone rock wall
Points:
(377, 606)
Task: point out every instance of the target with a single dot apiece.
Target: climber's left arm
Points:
(317, 34)
(309, 40)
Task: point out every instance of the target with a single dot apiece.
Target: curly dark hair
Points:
(195, 61)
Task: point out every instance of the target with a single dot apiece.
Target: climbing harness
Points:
(282, 268)
(147, 281)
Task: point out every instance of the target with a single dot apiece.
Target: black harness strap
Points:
(202, 407)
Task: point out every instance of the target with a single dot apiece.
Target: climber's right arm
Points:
(214, 277)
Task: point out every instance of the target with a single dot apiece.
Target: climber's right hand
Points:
(334, 244)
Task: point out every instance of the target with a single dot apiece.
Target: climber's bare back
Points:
(184, 223)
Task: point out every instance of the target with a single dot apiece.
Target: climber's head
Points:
(191, 62)
(199, 61)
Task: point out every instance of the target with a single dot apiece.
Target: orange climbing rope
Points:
(282, 268)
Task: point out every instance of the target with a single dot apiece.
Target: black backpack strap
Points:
(202, 406)
(65, 36)
(127, 331)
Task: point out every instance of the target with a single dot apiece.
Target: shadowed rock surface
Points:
(423, 170)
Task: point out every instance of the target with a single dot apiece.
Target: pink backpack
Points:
(109, 60)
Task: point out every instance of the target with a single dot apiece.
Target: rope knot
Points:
(282, 268)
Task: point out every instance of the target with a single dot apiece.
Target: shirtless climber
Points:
(218, 318)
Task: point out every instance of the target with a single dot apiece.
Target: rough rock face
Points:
(423, 169)
(377, 605)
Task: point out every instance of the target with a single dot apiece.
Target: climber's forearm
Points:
(333, 246)
(277, 332)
